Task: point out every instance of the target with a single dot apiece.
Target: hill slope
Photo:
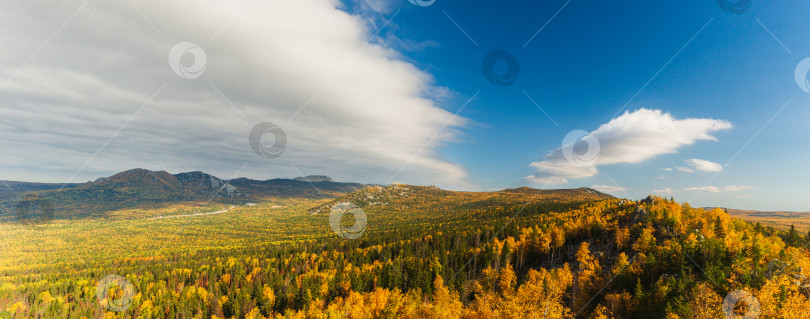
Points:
(431, 198)
(140, 188)
(7, 187)
(149, 189)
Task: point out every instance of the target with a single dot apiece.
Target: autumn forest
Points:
(414, 252)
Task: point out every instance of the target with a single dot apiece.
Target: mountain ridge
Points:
(142, 188)
(434, 198)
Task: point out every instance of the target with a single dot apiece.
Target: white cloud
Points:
(668, 169)
(685, 169)
(665, 191)
(364, 111)
(379, 6)
(715, 189)
(704, 165)
(630, 138)
(737, 188)
(561, 170)
(609, 188)
(707, 189)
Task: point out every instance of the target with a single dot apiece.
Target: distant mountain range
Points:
(434, 199)
(141, 188)
(314, 179)
(145, 188)
(7, 187)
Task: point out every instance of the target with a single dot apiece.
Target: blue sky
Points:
(389, 91)
(593, 57)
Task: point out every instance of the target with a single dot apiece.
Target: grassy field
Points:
(781, 220)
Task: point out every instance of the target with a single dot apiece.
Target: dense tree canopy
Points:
(425, 254)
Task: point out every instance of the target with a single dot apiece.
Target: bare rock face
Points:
(590, 190)
(639, 214)
(777, 267)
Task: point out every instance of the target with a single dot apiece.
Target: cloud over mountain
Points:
(630, 138)
(80, 78)
(703, 189)
(715, 189)
(609, 188)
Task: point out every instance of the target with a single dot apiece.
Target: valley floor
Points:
(197, 214)
(420, 253)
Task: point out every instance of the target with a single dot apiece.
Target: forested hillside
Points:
(422, 253)
(140, 188)
(12, 187)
